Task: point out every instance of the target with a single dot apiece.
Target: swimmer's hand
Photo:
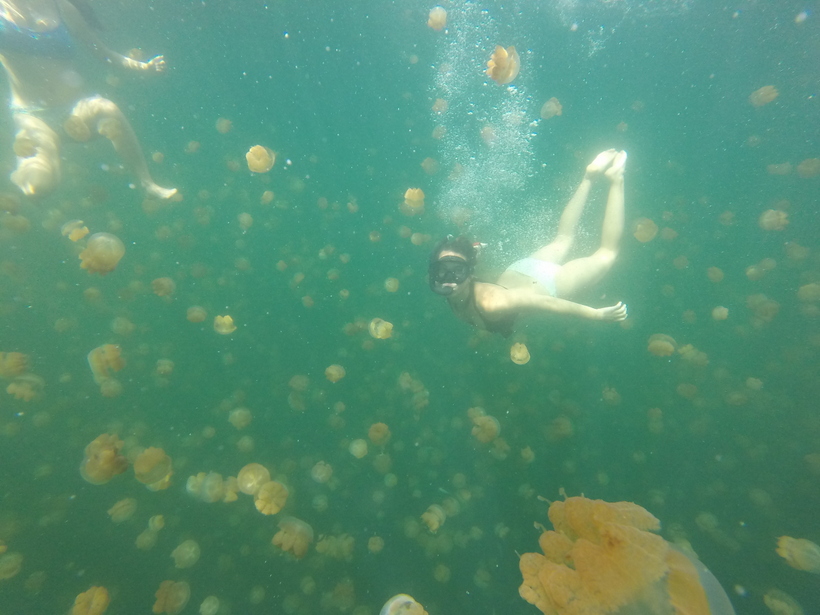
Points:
(156, 64)
(613, 313)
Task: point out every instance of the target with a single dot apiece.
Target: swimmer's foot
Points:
(616, 170)
(601, 162)
(158, 191)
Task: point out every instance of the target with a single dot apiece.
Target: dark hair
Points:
(461, 245)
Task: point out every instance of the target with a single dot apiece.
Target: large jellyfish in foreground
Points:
(603, 558)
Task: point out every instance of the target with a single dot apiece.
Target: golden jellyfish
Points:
(164, 367)
(799, 553)
(773, 220)
(163, 287)
(223, 125)
(103, 460)
(26, 387)
(10, 565)
(74, 230)
(123, 510)
(391, 285)
(781, 603)
(196, 313)
(504, 65)
(224, 325)
(209, 606)
(485, 428)
(171, 597)
(645, 230)
(720, 313)
(294, 536)
(375, 544)
(186, 554)
(105, 359)
(402, 604)
(430, 165)
(519, 353)
(413, 201)
(271, 497)
(437, 19)
(267, 197)
(380, 329)
(715, 274)
(251, 477)
(810, 167)
(434, 517)
(240, 417)
(337, 547)
(12, 364)
(334, 373)
(260, 159)
(153, 468)
(603, 558)
(358, 448)
(551, 108)
(763, 96)
(245, 221)
(102, 253)
(661, 345)
(321, 472)
(92, 602)
(379, 434)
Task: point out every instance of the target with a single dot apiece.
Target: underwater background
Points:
(721, 442)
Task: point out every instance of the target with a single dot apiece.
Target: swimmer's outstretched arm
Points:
(498, 300)
(79, 28)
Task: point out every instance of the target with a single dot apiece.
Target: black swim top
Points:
(55, 43)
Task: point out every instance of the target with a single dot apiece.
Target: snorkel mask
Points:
(447, 272)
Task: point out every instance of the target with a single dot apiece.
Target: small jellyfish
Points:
(380, 329)
(186, 554)
(123, 510)
(223, 125)
(375, 544)
(519, 354)
(485, 428)
(321, 472)
(799, 553)
(379, 434)
(260, 159)
(271, 498)
(810, 167)
(434, 517)
(74, 230)
(10, 565)
(251, 477)
(153, 468)
(209, 606)
(720, 313)
(103, 460)
(437, 19)
(504, 65)
(358, 448)
(196, 314)
(763, 96)
(245, 221)
(773, 220)
(240, 417)
(171, 597)
(163, 287)
(102, 253)
(224, 325)
(92, 602)
(294, 536)
(645, 230)
(391, 285)
(413, 201)
(551, 108)
(402, 604)
(334, 373)
(661, 345)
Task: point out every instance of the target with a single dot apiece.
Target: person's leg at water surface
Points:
(97, 115)
(582, 273)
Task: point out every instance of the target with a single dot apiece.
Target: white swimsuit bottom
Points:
(542, 271)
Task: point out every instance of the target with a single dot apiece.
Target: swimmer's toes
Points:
(602, 161)
(616, 169)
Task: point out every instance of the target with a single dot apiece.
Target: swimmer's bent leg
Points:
(38, 155)
(100, 115)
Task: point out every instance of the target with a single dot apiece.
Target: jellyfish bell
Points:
(74, 230)
(123, 510)
(153, 468)
(519, 354)
(504, 65)
(186, 554)
(294, 536)
(799, 553)
(260, 159)
(437, 18)
(102, 253)
(94, 601)
(224, 325)
(171, 597)
(551, 108)
(380, 329)
(271, 498)
(251, 477)
(402, 604)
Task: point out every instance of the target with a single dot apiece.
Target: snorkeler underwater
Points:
(328, 344)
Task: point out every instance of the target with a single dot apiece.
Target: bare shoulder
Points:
(491, 298)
